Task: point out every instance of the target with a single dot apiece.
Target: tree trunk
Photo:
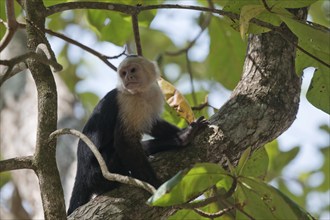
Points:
(262, 106)
(18, 125)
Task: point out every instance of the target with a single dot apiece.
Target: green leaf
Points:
(320, 12)
(262, 201)
(110, 26)
(325, 169)
(89, 100)
(289, 4)
(257, 164)
(156, 41)
(242, 161)
(227, 52)
(278, 159)
(319, 90)
(181, 188)
(48, 3)
(315, 40)
(247, 13)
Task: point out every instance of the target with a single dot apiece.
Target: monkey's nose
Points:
(131, 76)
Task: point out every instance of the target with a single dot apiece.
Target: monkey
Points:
(116, 126)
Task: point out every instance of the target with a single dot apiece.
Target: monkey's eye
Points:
(123, 73)
(133, 70)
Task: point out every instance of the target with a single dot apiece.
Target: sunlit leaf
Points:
(176, 100)
(181, 188)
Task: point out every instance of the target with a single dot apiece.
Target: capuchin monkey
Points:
(116, 127)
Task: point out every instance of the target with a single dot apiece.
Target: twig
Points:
(17, 163)
(266, 6)
(135, 24)
(214, 215)
(109, 176)
(84, 47)
(192, 43)
(11, 24)
(11, 71)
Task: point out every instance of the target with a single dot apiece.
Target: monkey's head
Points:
(136, 74)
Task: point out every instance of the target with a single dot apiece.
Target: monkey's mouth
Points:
(132, 85)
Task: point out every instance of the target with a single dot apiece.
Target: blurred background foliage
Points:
(215, 70)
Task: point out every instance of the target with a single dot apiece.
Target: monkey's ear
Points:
(157, 70)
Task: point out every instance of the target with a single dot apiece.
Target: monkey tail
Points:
(80, 196)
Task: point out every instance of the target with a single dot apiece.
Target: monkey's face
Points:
(136, 74)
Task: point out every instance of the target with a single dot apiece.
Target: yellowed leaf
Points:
(176, 100)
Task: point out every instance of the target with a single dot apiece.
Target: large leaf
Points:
(262, 201)
(227, 52)
(320, 12)
(319, 90)
(256, 165)
(181, 189)
(111, 26)
(316, 41)
(313, 39)
(176, 100)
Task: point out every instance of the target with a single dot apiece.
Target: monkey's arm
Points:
(130, 152)
(168, 137)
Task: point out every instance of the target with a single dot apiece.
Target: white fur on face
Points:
(140, 104)
(136, 74)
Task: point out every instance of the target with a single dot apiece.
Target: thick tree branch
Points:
(45, 161)
(17, 163)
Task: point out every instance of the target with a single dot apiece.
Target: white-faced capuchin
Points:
(116, 127)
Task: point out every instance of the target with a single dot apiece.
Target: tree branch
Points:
(128, 9)
(135, 24)
(12, 63)
(109, 176)
(17, 163)
(45, 152)
(12, 24)
(102, 57)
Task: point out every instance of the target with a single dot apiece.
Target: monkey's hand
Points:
(188, 134)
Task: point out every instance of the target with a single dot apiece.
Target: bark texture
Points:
(262, 106)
